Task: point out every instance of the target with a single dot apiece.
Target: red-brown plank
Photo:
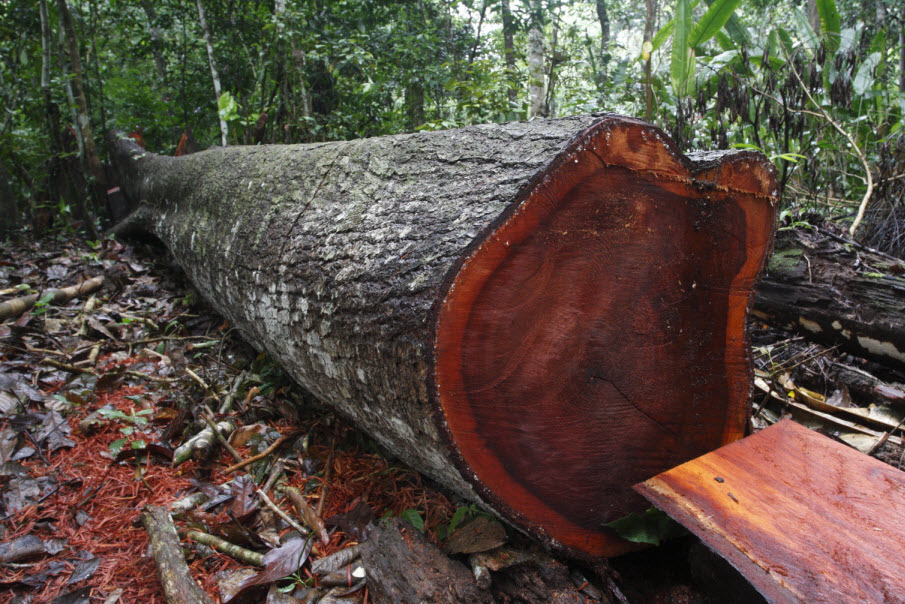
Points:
(804, 518)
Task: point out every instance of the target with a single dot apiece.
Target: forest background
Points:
(817, 85)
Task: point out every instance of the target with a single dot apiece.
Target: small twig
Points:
(201, 382)
(208, 417)
(812, 357)
(276, 510)
(67, 367)
(275, 472)
(231, 395)
(276, 444)
(223, 546)
(86, 371)
(885, 437)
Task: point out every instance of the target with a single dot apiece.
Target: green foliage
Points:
(414, 518)
(136, 420)
(681, 67)
(41, 305)
(716, 17)
(830, 23)
(722, 72)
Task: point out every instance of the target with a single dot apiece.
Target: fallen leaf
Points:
(478, 535)
(243, 491)
(83, 570)
(278, 563)
(79, 596)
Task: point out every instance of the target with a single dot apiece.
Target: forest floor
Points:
(98, 394)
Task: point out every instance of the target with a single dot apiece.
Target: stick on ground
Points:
(178, 585)
(14, 308)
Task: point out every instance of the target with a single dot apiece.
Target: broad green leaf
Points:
(737, 31)
(773, 45)
(721, 60)
(848, 38)
(864, 78)
(785, 39)
(878, 43)
(724, 41)
(663, 35)
(116, 446)
(414, 518)
(457, 517)
(652, 527)
(746, 146)
(712, 21)
(679, 65)
(665, 32)
(804, 31)
(830, 23)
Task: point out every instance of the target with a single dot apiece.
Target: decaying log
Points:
(836, 292)
(14, 308)
(402, 566)
(536, 314)
(175, 578)
(802, 517)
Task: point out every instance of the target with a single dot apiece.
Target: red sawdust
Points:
(112, 495)
(386, 488)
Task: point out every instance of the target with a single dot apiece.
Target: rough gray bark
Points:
(338, 258)
(402, 566)
(298, 244)
(837, 292)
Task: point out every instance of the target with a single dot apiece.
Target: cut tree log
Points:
(537, 315)
(837, 292)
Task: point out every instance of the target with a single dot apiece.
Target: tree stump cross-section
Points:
(538, 315)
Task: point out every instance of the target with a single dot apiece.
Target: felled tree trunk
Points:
(538, 315)
(836, 292)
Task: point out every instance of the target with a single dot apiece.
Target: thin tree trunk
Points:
(50, 109)
(97, 68)
(9, 209)
(160, 63)
(604, 18)
(649, 26)
(83, 120)
(814, 16)
(64, 178)
(509, 52)
(206, 33)
(477, 40)
(156, 42)
(536, 62)
(902, 56)
(555, 59)
(414, 101)
(298, 59)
